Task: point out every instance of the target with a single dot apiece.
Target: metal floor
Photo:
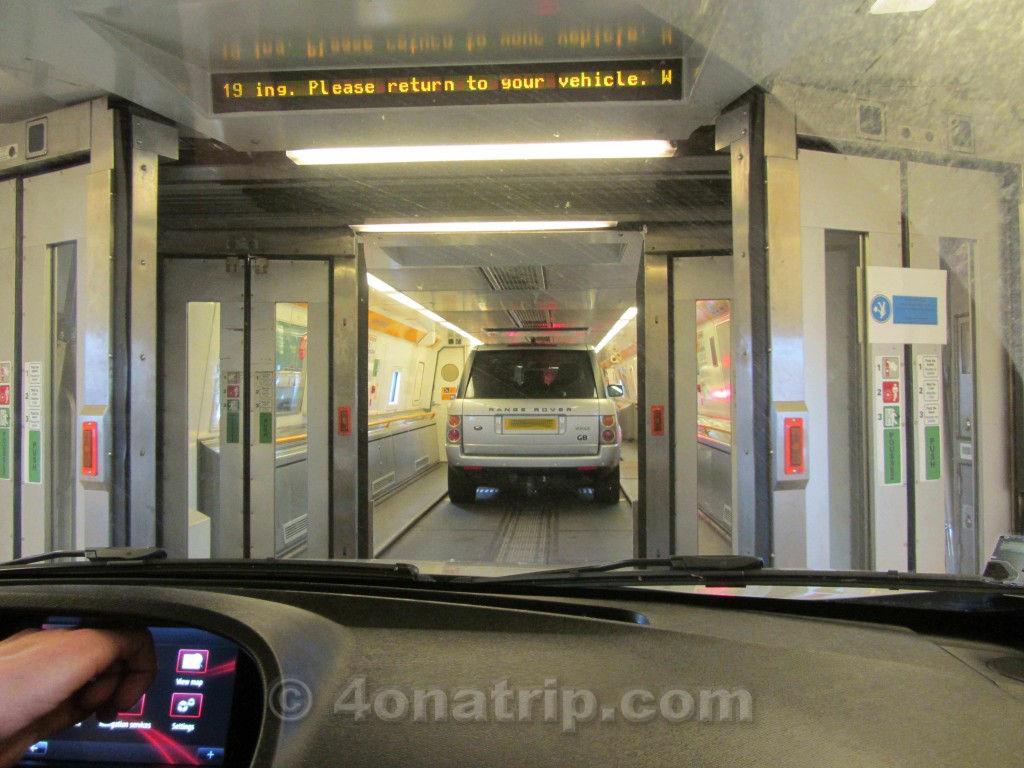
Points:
(520, 529)
(560, 527)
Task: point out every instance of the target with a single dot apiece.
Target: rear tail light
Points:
(454, 435)
(454, 421)
(608, 421)
(608, 436)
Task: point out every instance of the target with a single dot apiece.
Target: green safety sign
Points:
(5, 444)
(266, 427)
(891, 416)
(932, 453)
(892, 456)
(232, 427)
(35, 456)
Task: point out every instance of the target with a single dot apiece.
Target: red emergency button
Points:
(90, 446)
(658, 420)
(794, 430)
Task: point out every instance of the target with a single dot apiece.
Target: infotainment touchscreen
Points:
(181, 720)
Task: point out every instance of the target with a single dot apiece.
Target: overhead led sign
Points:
(564, 82)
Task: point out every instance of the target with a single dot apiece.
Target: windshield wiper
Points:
(263, 569)
(695, 566)
(733, 571)
(95, 555)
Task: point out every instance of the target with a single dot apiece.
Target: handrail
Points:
(428, 414)
(711, 442)
(298, 438)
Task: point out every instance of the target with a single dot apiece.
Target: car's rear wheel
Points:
(606, 489)
(461, 487)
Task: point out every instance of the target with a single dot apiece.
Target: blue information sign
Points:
(915, 310)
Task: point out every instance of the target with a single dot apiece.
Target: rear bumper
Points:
(606, 459)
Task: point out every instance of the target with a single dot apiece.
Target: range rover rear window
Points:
(516, 374)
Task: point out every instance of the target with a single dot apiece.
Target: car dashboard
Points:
(321, 673)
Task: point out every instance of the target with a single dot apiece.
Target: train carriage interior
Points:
(474, 289)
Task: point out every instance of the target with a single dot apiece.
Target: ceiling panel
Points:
(582, 298)
(597, 276)
(581, 278)
(512, 251)
(433, 278)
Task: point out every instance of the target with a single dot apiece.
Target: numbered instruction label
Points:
(33, 389)
(263, 392)
(5, 420)
(231, 397)
(929, 416)
(888, 399)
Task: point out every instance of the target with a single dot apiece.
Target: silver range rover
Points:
(529, 410)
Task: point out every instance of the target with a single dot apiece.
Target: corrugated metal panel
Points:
(519, 278)
(530, 318)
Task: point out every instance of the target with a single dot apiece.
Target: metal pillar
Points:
(351, 532)
(741, 130)
(656, 511)
(1013, 195)
(133, 325)
(10, 435)
(786, 299)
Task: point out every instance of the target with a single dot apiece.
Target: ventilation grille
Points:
(530, 318)
(295, 528)
(523, 278)
(421, 462)
(381, 483)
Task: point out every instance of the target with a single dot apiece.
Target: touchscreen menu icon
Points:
(186, 704)
(193, 662)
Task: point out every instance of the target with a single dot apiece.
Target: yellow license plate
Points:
(529, 425)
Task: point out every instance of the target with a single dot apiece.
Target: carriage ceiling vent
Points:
(520, 278)
(530, 318)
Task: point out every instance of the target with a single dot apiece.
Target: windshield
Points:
(519, 374)
(492, 286)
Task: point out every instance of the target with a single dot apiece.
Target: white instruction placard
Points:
(906, 306)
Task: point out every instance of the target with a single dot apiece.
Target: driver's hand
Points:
(51, 679)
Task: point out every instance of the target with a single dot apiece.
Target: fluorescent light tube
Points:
(900, 6)
(621, 323)
(553, 150)
(432, 315)
(455, 227)
(376, 283)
